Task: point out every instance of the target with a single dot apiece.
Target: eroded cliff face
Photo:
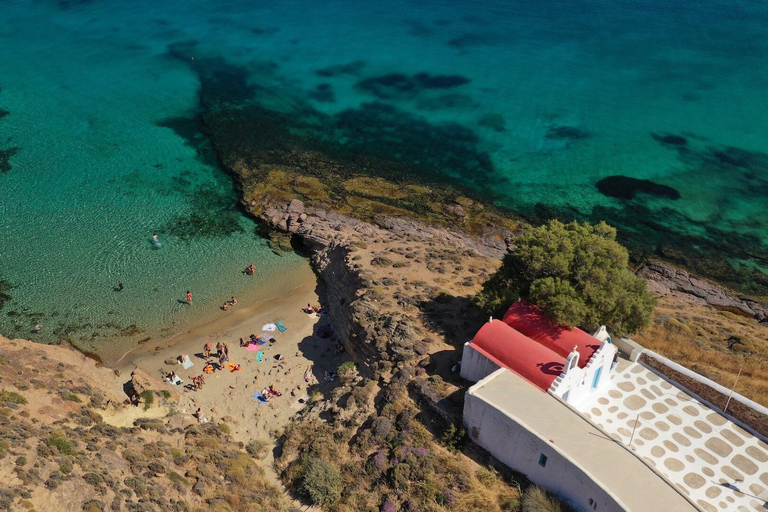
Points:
(379, 278)
(666, 280)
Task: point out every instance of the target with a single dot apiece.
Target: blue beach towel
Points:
(259, 355)
(260, 398)
(281, 327)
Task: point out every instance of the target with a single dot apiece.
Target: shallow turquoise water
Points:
(529, 104)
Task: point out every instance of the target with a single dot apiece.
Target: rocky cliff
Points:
(379, 276)
(666, 280)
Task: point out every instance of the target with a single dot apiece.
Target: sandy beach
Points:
(226, 397)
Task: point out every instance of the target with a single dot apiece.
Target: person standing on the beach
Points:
(219, 349)
(226, 350)
(189, 297)
(207, 350)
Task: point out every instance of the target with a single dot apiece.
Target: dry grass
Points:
(713, 343)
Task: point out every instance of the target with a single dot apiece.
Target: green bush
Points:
(454, 437)
(322, 482)
(166, 394)
(576, 273)
(73, 398)
(64, 446)
(149, 398)
(257, 448)
(13, 397)
(536, 499)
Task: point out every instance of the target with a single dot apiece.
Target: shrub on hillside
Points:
(576, 273)
(536, 499)
(322, 482)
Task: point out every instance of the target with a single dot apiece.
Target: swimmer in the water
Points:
(154, 237)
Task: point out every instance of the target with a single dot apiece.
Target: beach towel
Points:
(281, 327)
(260, 398)
(252, 347)
(259, 356)
(269, 327)
(187, 364)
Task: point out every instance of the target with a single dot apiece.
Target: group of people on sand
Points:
(197, 382)
(229, 303)
(268, 393)
(250, 270)
(313, 309)
(222, 352)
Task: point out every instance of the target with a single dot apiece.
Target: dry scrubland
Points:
(58, 450)
(713, 343)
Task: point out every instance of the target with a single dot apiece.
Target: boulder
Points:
(296, 206)
(140, 382)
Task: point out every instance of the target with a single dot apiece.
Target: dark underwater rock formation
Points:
(670, 140)
(625, 187)
(402, 86)
(568, 133)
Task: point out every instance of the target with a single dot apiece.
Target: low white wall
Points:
(518, 448)
(628, 347)
(709, 383)
(474, 365)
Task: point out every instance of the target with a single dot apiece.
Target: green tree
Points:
(576, 273)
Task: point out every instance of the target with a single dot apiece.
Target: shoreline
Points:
(218, 321)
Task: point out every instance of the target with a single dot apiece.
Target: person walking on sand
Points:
(207, 350)
(189, 297)
(219, 349)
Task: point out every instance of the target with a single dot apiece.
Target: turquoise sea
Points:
(648, 114)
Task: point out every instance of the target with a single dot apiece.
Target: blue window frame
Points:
(596, 380)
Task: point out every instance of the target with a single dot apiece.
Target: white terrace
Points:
(715, 462)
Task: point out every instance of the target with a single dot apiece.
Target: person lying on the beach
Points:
(329, 377)
(265, 395)
(208, 368)
(273, 392)
(174, 379)
(308, 375)
(234, 367)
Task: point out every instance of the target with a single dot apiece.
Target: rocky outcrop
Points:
(666, 280)
(377, 274)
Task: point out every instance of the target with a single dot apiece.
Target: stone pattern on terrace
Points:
(715, 462)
